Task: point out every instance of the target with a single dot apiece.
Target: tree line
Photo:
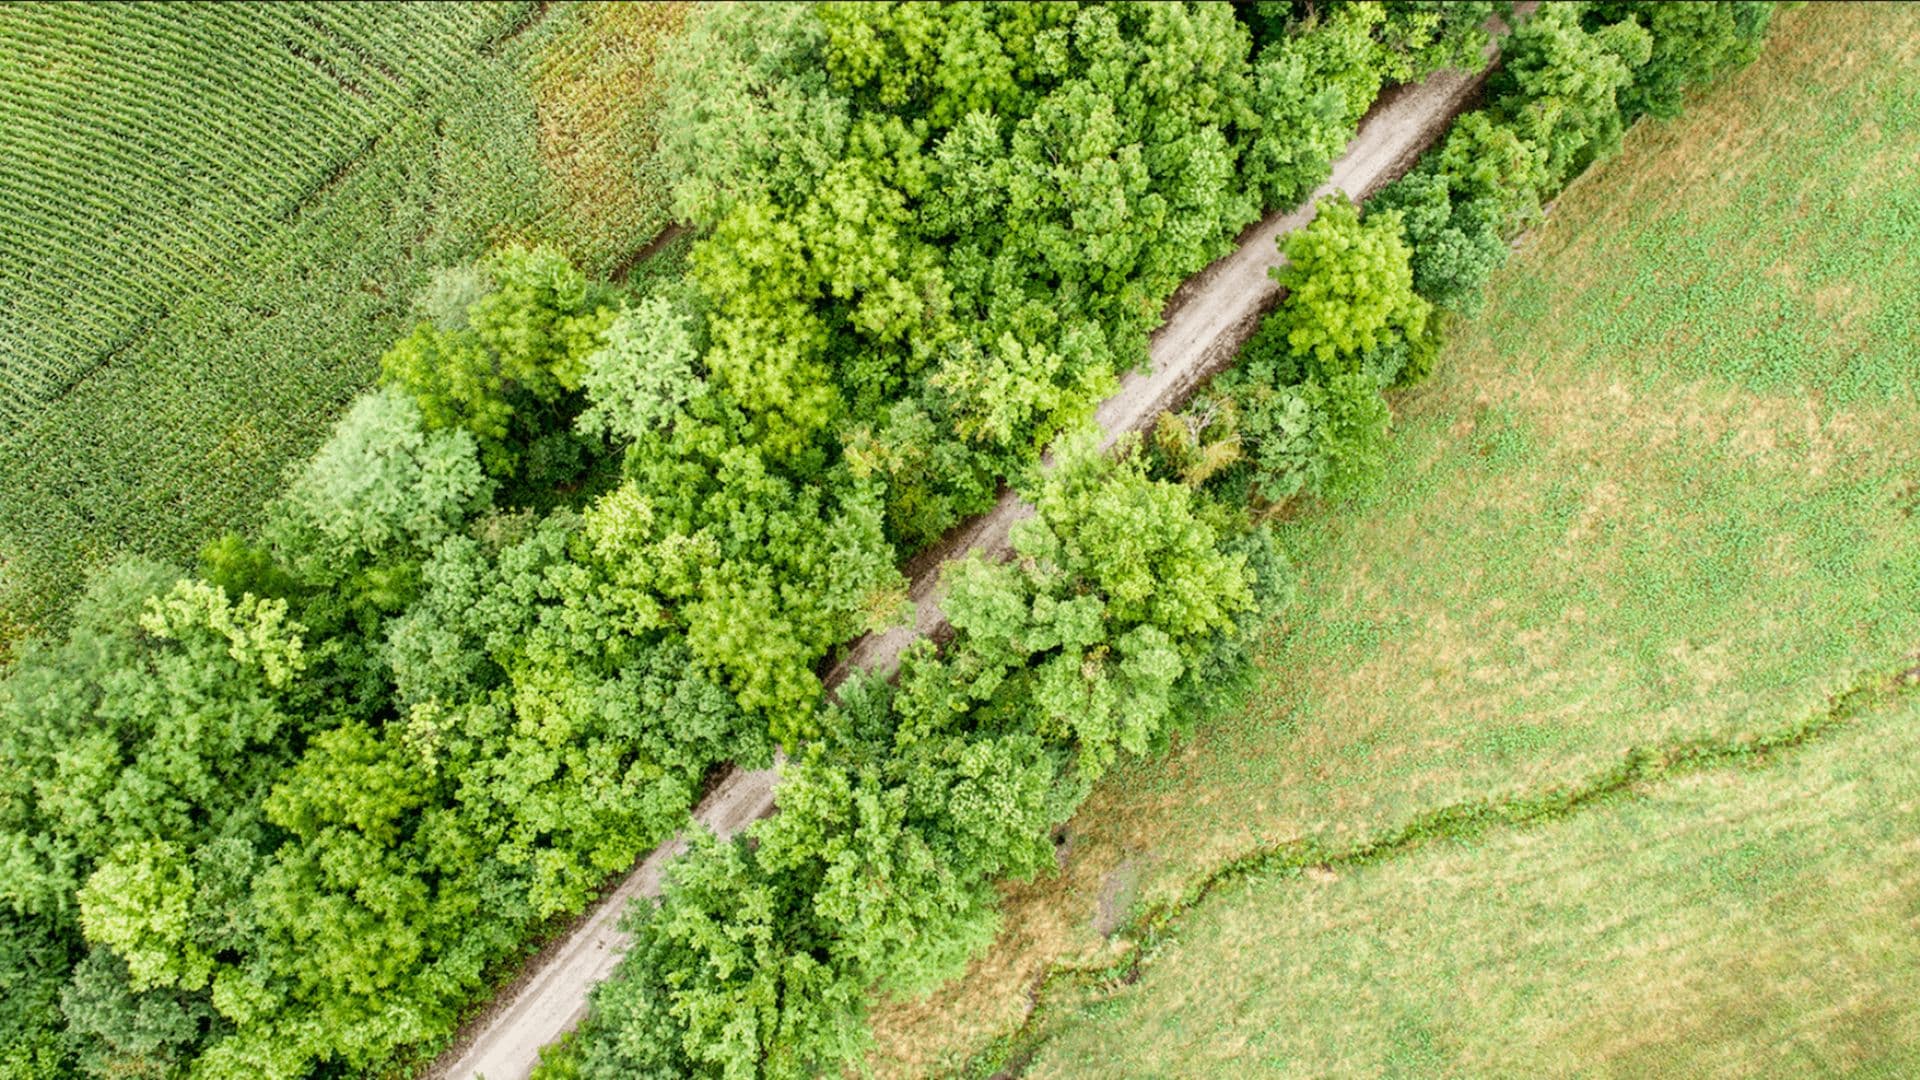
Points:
(763, 952)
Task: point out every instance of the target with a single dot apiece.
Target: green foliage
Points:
(1424, 36)
(1558, 86)
(1554, 110)
(565, 715)
(1461, 203)
(35, 961)
(1692, 42)
(135, 904)
(1314, 438)
(931, 480)
(1304, 123)
(1344, 56)
(1199, 444)
(133, 749)
(877, 870)
(1118, 587)
(969, 215)
(759, 959)
(764, 573)
(1349, 286)
(265, 883)
(1455, 246)
(747, 71)
(128, 1034)
(1313, 80)
(1104, 528)
(501, 371)
(643, 374)
(383, 482)
(144, 726)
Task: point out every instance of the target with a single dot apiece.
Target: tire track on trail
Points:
(1207, 320)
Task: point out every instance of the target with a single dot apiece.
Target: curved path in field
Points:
(1207, 320)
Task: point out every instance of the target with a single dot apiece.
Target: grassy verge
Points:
(1661, 494)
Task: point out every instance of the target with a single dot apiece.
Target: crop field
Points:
(1662, 498)
(217, 215)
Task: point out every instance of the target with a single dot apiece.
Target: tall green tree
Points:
(1692, 42)
(763, 572)
(1118, 586)
(1460, 205)
(1558, 85)
(504, 370)
(1349, 286)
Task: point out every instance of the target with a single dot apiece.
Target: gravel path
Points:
(1206, 322)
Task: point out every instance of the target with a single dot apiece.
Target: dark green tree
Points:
(1693, 42)
(1558, 86)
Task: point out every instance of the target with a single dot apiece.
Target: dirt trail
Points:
(1207, 320)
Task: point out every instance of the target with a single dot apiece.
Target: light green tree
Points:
(1349, 286)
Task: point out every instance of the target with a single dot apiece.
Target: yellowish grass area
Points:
(1663, 490)
(596, 94)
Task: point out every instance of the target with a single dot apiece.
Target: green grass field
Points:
(217, 217)
(1663, 493)
(1736, 921)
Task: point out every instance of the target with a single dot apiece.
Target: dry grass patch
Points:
(597, 97)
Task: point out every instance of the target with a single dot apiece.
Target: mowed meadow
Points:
(216, 218)
(1659, 504)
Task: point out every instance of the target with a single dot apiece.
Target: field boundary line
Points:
(1008, 1056)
